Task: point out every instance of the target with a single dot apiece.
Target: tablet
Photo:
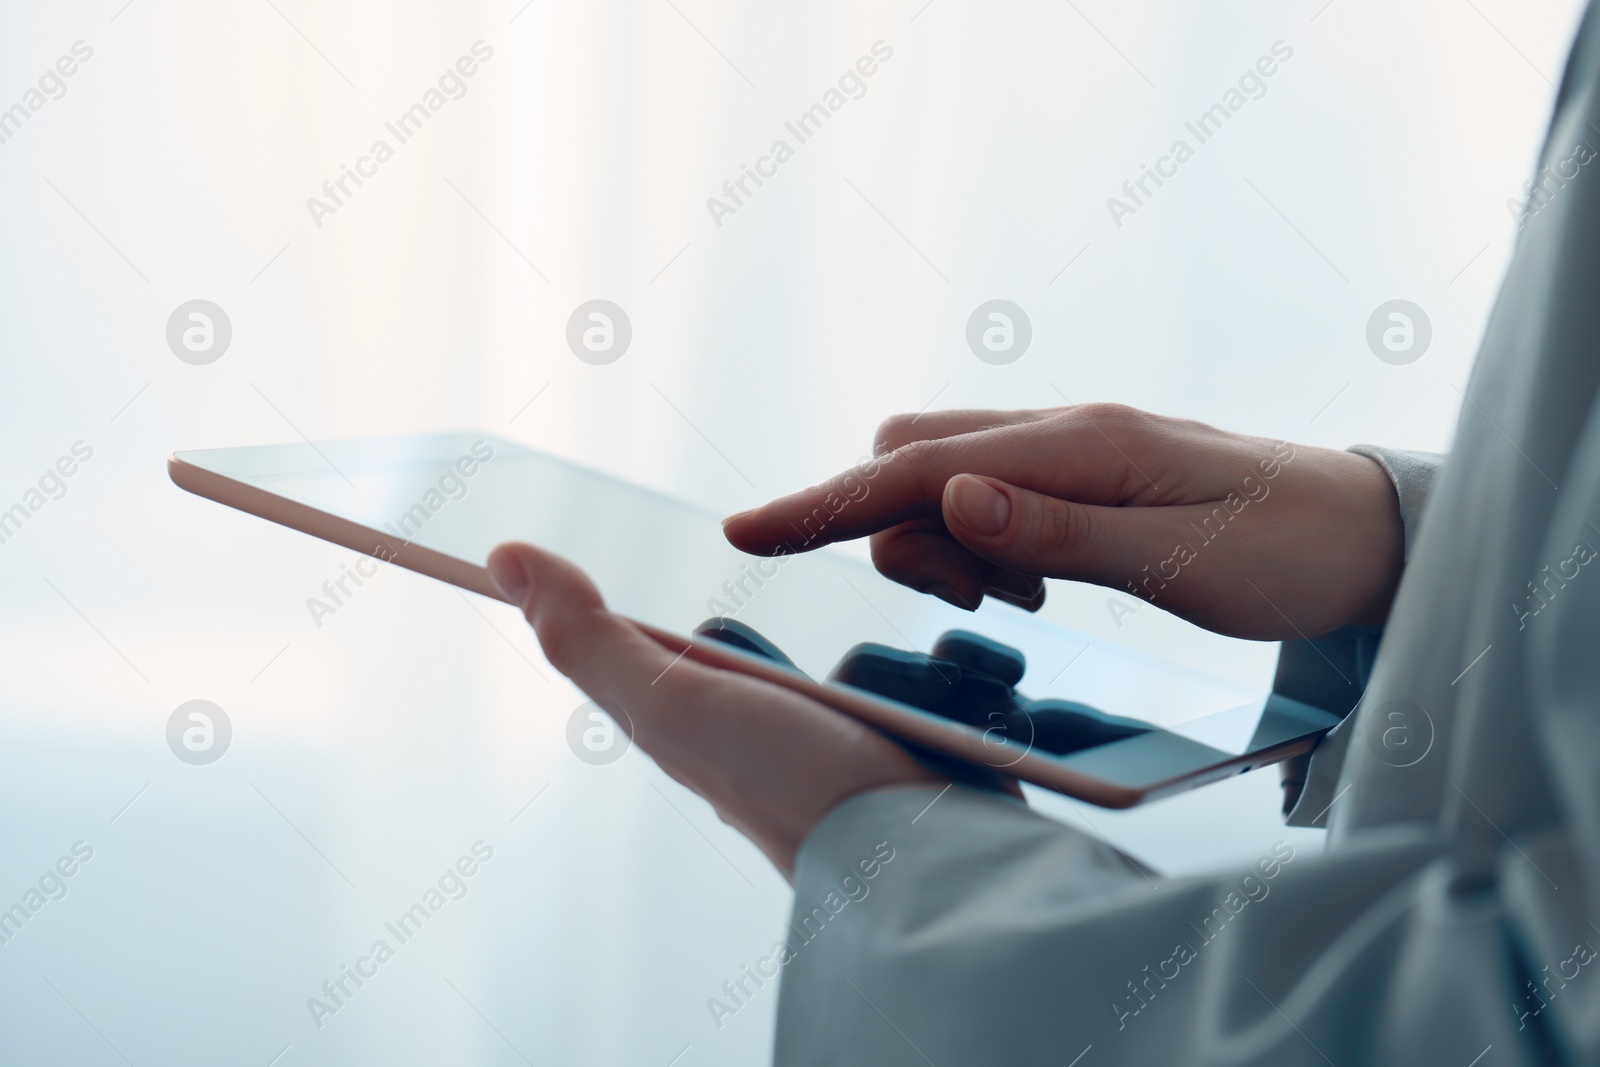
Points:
(437, 504)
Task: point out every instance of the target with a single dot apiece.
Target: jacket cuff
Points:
(1331, 672)
(1412, 474)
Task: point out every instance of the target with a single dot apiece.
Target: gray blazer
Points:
(1454, 918)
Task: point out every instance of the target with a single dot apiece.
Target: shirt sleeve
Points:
(1331, 671)
(1413, 475)
(961, 928)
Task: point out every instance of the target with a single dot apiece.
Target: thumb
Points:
(1032, 533)
(602, 653)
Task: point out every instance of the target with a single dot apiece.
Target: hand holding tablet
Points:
(665, 566)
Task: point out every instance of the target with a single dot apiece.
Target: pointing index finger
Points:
(1064, 454)
(863, 500)
(905, 484)
(875, 494)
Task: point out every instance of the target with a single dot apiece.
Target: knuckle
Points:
(556, 642)
(1109, 416)
(886, 554)
(893, 432)
(894, 558)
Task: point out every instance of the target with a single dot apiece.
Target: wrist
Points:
(1384, 531)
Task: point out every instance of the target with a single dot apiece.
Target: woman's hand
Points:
(771, 762)
(1242, 535)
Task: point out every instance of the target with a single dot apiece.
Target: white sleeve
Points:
(1331, 671)
(991, 935)
(1413, 475)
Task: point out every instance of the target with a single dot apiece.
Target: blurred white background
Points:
(177, 165)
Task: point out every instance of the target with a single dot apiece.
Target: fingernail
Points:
(736, 516)
(981, 507)
(508, 573)
(949, 596)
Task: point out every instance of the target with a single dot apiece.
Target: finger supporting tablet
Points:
(746, 638)
(983, 654)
